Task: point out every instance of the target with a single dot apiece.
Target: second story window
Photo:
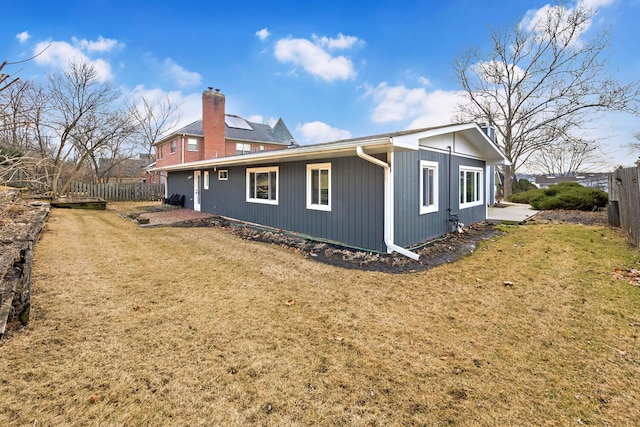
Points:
(243, 148)
(192, 144)
(173, 147)
(160, 152)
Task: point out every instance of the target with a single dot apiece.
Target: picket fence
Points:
(624, 201)
(117, 192)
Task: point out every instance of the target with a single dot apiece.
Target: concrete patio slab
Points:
(510, 213)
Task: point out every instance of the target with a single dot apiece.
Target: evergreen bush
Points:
(566, 195)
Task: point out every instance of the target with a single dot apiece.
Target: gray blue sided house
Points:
(383, 193)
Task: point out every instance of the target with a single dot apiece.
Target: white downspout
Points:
(388, 205)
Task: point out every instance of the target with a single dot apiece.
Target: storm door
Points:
(197, 190)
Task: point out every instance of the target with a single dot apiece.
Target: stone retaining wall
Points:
(17, 244)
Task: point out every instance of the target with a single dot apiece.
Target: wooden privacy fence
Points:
(624, 202)
(117, 192)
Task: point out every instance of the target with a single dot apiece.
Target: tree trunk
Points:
(508, 181)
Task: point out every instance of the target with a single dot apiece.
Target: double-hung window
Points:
(192, 144)
(470, 187)
(428, 187)
(319, 186)
(173, 147)
(262, 185)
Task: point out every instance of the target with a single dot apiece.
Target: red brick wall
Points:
(182, 149)
(231, 148)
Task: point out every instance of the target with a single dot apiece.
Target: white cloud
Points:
(415, 106)
(59, 54)
(257, 118)
(23, 36)
(314, 59)
(189, 105)
(596, 4)
(316, 132)
(100, 45)
(182, 77)
(263, 34)
(342, 42)
(534, 19)
(424, 81)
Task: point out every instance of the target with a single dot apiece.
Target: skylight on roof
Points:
(237, 122)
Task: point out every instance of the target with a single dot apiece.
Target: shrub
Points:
(526, 196)
(566, 195)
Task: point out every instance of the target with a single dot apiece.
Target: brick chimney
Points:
(213, 123)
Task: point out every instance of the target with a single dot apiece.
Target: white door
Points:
(197, 185)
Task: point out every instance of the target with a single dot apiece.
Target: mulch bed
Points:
(443, 250)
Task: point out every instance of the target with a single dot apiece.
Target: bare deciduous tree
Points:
(153, 120)
(567, 156)
(84, 120)
(634, 147)
(6, 80)
(540, 83)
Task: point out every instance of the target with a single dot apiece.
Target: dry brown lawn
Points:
(193, 326)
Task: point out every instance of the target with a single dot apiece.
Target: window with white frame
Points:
(243, 148)
(205, 180)
(428, 187)
(319, 186)
(223, 175)
(470, 186)
(173, 147)
(192, 144)
(262, 185)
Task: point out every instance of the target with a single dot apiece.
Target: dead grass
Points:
(193, 326)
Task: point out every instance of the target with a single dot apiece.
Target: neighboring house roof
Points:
(579, 177)
(254, 132)
(396, 141)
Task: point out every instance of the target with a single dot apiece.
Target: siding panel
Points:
(356, 218)
(412, 228)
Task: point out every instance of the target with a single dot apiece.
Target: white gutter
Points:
(388, 205)
(286, 154)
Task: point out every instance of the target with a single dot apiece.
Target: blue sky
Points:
(330, 69)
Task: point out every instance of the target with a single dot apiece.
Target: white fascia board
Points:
(337, 149)
(406, 142)
(491, 153)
